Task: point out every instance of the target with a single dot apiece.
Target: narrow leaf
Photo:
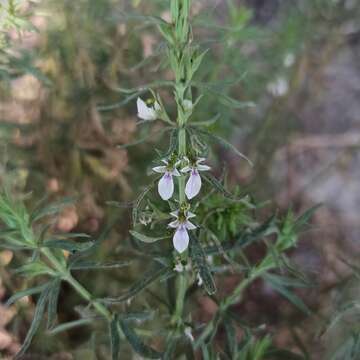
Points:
(224, 143)
(93, 265)
(142, 284)
(38, 315)
(68, 245)
(146, 239)
(27, 292)
(198, 257)
(115, 338)
(53, 303)
(137, 344)
(293, 298)
(70, 325)
(51, 209)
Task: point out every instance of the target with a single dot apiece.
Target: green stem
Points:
(100, 308)
(180, 301)
(182, 153)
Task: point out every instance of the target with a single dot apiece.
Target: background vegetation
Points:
(62, 67)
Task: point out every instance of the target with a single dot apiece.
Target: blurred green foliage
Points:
(91, 48)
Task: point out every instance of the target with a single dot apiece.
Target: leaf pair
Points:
(48, 297)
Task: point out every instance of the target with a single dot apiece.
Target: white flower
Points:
(193, 184)
(179, 267)
(188, 105)
(146, 112)
(289, 60)
(182, 225)
(278, 87)
(199, 280)
(188, 333)
(166, 183)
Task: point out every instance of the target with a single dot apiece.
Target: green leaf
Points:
(139, 201)
(149, 136)
(231, 337)
(94, 265)
(199, 260)
(51, 209)
(115, 338)
(35, 268)
(38, 315)
(53, 302)
(280, 288)
(68, 245)
(303, 219)
(146, 239)
(280, 354)
(70, 325)
(27, 292)
(221, 189)
(173, 143)
(224, 143)
(246, 238)
(142, 284)
(137, 344)
(170, 348)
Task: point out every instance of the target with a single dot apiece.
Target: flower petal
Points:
(186, 169)
(201, 167)
(166, 186)
(193, 185)
(175, 172)
(190, 215)
(175, 213)
(174, 224)
(181, 239)
(159, 169)
(145, 112)
(188, 105)
(157, 106)
(189, 225)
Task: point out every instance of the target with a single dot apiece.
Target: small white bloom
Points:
(289, 60)
(188, 105)
(179, 267)
(199, 280)
(182, 225)
(193, 184)
(166, 183)
(188, 333)
(279, 87)
(146, 112)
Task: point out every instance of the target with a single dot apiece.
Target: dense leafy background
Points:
(62, 114)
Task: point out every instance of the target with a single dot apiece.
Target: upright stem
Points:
(182, 153)
(100, 308)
